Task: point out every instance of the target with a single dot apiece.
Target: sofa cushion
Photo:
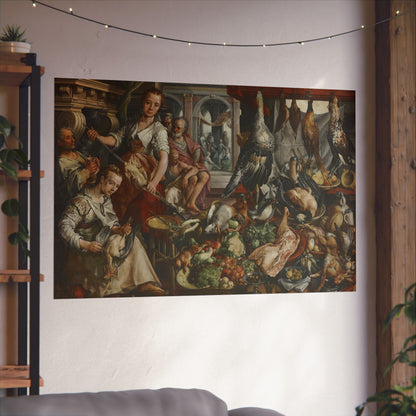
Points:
(253, 411)
(163, 402)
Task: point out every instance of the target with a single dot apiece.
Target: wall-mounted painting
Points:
(166, 189)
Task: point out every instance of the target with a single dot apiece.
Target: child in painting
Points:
(180, 180)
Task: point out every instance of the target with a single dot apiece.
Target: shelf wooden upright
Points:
(17, 69)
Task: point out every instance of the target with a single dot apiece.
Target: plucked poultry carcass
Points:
(254, 163)
(116, 247)
(341, 147)
(310, 136)
(272, 257)
(294, 115)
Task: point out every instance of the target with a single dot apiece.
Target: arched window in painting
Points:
(214, 133)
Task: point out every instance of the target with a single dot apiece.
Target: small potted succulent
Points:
(12, 40)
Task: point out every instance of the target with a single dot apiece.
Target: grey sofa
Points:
(162, 402)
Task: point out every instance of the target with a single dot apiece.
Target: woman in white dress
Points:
(145, 163)
(104, 258)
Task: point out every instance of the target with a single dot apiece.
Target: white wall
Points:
(303, 354)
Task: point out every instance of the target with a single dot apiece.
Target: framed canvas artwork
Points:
(167, 189)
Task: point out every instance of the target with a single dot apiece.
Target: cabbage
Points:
(205, 275)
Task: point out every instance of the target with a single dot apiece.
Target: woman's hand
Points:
(122, 229)
(152, 186)
(160, 171)
(91, 246)
(93, 134)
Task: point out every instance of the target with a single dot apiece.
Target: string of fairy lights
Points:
(72, 13)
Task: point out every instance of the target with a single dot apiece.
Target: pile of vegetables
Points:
(205, 275)
(232, 270)
(256, 235)
(224, 265)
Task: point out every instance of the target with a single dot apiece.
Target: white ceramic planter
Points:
(20, 47)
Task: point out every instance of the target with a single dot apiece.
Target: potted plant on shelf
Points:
(12, 40)
(399, 400)
(10, 159)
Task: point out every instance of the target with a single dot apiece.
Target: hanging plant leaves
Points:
(9, 169)
(14, 239)
(2, 140)
(11, 207)
(20, 237)
(24, 233)
(5, 127)
(21, 158)
(5, 155)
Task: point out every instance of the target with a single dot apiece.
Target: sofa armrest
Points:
(253, 411)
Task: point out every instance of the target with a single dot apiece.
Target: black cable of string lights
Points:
(235, 45)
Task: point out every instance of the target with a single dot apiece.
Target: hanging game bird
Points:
(341, 147)
(255, 160)
(294, 115)
(283, 115)
(310, 136)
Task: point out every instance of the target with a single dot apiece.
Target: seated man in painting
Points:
(191, 153)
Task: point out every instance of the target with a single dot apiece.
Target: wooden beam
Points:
(395, 179)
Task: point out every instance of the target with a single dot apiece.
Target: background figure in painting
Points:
(191, 153)
(74, 170)
(145, 162)
(167, 121)
(89, 226)
(224, 154)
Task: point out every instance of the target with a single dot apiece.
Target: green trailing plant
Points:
(13, 33)
(399, 400)
(11, 159)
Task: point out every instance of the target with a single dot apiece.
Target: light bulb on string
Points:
(396, 14)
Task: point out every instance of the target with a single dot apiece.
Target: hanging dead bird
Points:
(294, 115)
(310, 135)
(283, 115)
(254, 163)
(341, 148)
